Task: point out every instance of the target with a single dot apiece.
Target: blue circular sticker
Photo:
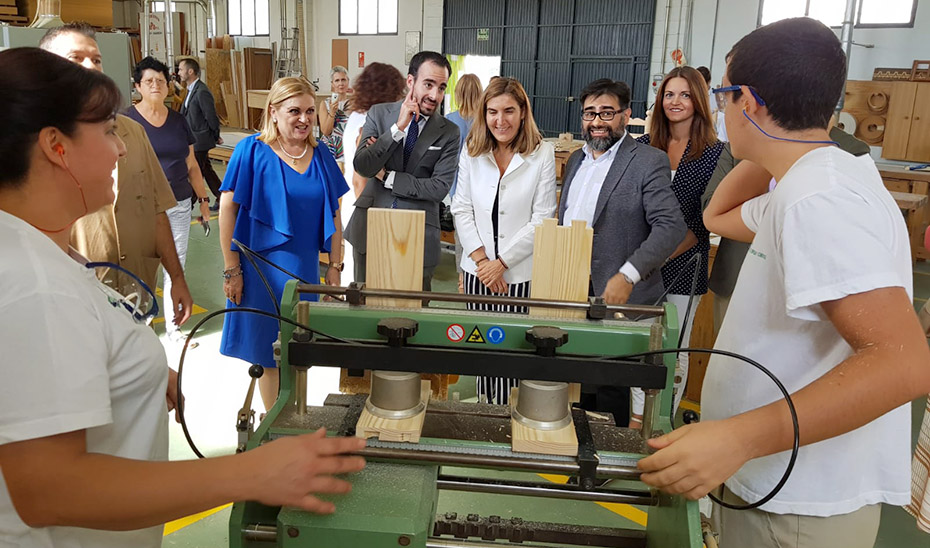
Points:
(495, 335)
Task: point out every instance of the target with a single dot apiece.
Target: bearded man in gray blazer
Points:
(410, 154)
(623, 190)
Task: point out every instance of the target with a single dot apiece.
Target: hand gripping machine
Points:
(462, 485)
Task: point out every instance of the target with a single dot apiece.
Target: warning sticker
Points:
(495, 335)
(476, 336)
(455, 333)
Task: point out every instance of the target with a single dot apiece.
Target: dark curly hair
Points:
(378, 83)
(150, 63)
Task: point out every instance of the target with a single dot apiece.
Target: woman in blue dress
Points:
(280, 197)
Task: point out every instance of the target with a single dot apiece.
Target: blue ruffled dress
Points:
(285, 216)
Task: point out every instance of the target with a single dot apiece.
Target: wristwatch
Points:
(627, 278)
(205, 200)
(337, 266)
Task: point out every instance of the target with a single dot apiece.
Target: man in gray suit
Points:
(410, 154)
(623, 190)
(199, 109)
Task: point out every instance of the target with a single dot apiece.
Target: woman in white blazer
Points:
(506, 186)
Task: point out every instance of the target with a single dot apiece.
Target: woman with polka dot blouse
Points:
(683, 128)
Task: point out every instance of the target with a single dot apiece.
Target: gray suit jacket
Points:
(426, 181)
(200, 114)
(637, 218)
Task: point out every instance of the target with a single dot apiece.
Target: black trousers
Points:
(206, 168)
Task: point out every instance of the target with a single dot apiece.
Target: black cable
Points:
(249, 255)
(190, 336)
(784, 392)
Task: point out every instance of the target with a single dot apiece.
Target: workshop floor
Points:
(215, 387)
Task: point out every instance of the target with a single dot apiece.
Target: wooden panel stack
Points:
(394, 261)
(9, 13)
(240, 71)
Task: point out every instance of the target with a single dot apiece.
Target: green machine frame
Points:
(394, 501)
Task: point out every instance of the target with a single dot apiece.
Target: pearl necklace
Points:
(294, 158)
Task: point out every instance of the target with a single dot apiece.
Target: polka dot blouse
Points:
(689, 183)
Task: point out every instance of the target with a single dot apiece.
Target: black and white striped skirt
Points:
(495, 390)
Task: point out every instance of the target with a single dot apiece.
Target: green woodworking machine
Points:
(462, 484)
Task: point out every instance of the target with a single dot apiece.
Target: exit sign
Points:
(484, 34)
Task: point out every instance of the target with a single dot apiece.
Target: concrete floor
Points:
(215, 387)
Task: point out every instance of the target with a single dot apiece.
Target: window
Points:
(872, 13)
(247, 17)
(367, 16)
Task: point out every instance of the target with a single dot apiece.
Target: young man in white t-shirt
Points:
(823, 300)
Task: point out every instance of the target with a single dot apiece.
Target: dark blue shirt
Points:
(172, 143)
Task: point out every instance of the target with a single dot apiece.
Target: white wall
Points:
(718, 24)
(424, 16)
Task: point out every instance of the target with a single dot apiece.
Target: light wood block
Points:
(561, 266)
(547, 442)
(407, 430)
(394, 261)
(562, 271)
(395, 253)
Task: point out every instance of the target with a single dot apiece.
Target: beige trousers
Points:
(758, 529)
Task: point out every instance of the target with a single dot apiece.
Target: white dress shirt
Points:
(585, 189)
(190, 89)
(400, 136)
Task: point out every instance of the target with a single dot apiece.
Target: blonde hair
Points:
(468, 95)
(480, 139)
(282, 90)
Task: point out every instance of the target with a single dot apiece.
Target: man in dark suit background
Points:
(410, 154)
(623, 190)
(199, 109)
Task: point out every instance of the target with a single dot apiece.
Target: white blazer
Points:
(527, 196)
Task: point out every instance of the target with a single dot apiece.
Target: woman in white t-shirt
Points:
(378, 83)
(83, 414)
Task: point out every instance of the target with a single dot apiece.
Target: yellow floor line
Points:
(690, 405)
(212, 218)
(196, 310)
(635, 515)
(178, 524)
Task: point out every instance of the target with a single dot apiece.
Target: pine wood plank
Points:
(405, 430)
(547, 442)
(561, 266)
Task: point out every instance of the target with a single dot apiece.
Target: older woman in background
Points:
(281, 199)
(333, 115)
(682, 126)
(506, 188)
(173, 142)
(378, 83)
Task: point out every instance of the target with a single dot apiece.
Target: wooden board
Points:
(405, 430)
(562, 271)
(258, 75)
(703, 335)
(868, 103)
(340, 52)
(232, 103)
(218, 69)
(395, 253)
(524, 439)
(918, 146)
(561, 266)
(394, 261)
(898, 121)
(8, 10)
